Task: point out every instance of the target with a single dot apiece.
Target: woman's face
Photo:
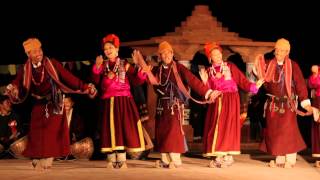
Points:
(216, 56)
(110, 51)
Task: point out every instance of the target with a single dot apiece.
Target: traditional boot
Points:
(164, 162)
(171, 165)
(161, 164)
(228, 160)
(217, 163)
(272, 164)
(110, 165)
(49, 162)
(281, 160)
(175, 160)
(40, 165)
(34, 163)
(111, 161)
(121, 160)
(291, 160)
(288, 165)
(122, 165)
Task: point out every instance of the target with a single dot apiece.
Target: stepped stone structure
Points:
(197, 29)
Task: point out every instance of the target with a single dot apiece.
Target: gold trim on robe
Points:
(213, 152)
(113, 138)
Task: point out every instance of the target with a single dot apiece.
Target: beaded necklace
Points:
(160, 75)
(115, 69)
(41, 79)
(214, 73)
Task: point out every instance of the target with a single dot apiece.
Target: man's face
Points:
(5, 105)
(166, 56)
(68, 103)
(216, 56)
(281, 53)
(36, 55)
(110, 51)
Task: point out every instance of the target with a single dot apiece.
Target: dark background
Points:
(72, 30)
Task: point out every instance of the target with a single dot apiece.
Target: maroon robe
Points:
(315, 128)
(47, 137)
(282, 135)
(222, 124)
(121, 128)
(169, 135)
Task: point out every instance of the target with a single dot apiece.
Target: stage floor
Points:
(253, 166)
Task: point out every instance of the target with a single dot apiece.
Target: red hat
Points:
(111, 38)
(208, 47)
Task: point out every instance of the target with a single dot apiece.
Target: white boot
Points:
(122, 160)
(111, 160)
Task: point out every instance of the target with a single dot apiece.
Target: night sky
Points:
(72, 30)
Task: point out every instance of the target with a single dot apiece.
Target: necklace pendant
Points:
(218, 75)
(111, 74)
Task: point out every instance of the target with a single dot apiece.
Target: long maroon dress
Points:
(48, 134)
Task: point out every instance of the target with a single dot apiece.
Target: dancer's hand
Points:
(99, 61)
(259, 83)
(204, 75)
(214, 95)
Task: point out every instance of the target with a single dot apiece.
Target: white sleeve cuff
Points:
(208, 93)
(305, 103)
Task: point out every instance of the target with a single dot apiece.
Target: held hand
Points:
(308, 113)
(300, 113)
(214, 95)
(138, 59)
(11, 91)
(99, 61)
(259, 83)
(309, 109)
(147, 69)
(204, 75)
(315, 112)
(91, 90)
(15, 92)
